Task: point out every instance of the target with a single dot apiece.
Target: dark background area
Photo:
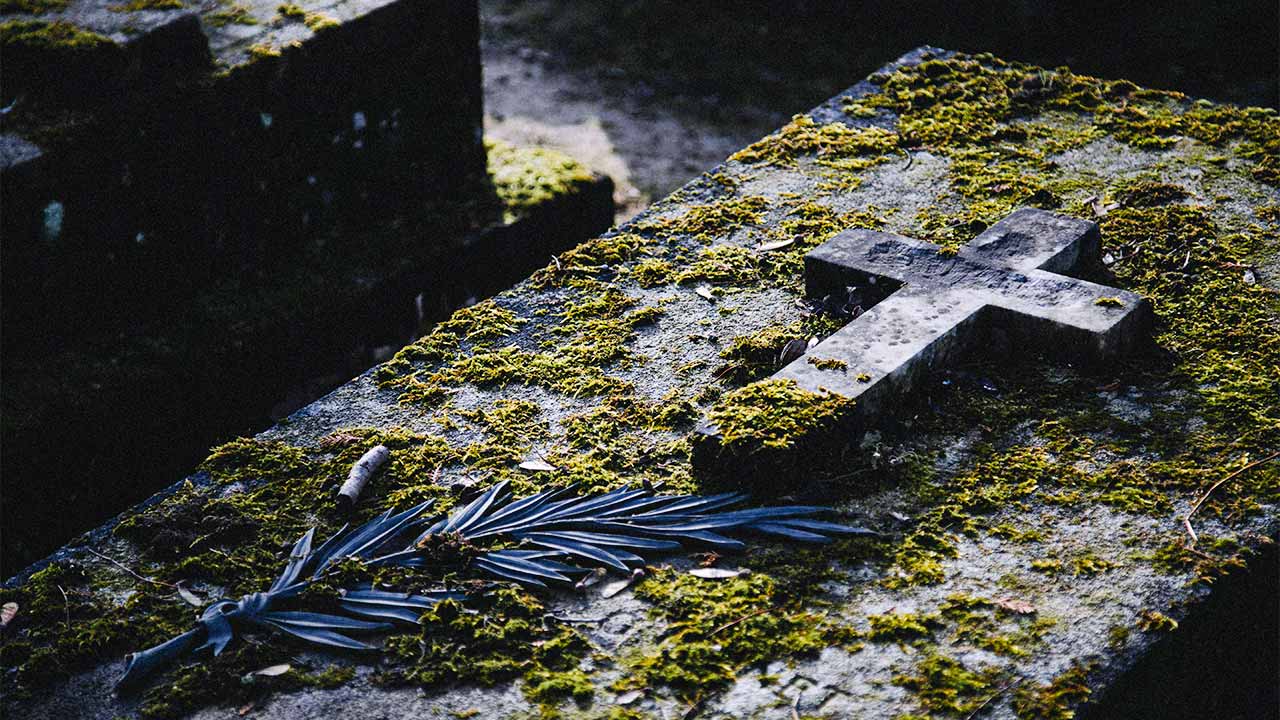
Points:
(792, 55)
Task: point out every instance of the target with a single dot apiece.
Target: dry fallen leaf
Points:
(245, 709)
(706, 559)
(715, 573)
(618, 586)
(273, 670)
(775, 245)
(627, 698)
(794, 348)
(1013, 605)
(591, 578)
(705, 293)
(7, 613)
(190, 597)
(1099, 209)
(537, 466)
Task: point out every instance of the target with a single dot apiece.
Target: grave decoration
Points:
(550, 537)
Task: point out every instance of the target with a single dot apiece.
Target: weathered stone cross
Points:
(1014, 279)
(1008, 291)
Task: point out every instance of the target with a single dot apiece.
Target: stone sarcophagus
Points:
(1048, 536)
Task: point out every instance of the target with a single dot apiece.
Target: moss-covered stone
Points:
(774, 414)
(525, 178)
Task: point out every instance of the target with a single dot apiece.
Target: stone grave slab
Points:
(1037, 556)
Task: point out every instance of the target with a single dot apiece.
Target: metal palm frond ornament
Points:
(561, 535)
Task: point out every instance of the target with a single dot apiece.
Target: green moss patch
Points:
(774, 414)
(525, 178)
(717, 628)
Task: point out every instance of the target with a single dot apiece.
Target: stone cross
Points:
(1011, 289)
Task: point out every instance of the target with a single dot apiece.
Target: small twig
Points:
(66, 606)
(1186, 521)
(571, 620)
(744, 618)
(693, 710)
(129, 570)
(795, 705)
(998, 693)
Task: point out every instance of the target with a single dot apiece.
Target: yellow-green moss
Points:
(500, 635)
(834, 145)
(235, 13)
(1156, 621)
(902, 627)
(652, 272)
(1056, 700)
(775, 414)
(944, 686)
(31, 7)
(716, 628)
(721, 265)
(527, 177)
(262, 51)
(827, 363)
(710, 221)
(55, 36)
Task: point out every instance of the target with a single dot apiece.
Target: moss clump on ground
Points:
(944, 686)
(1055, 700)
(31, 7)
(1147, 193)
(710, 221)
(234, 14)
(500, 635)
(590, 259)
(717, 628)
(721, 265)
(36, 35)
(572, 357)
(775, 414)
(652, 272)
(834, 145)
(902, 627)
(756, 356)
(525, 178)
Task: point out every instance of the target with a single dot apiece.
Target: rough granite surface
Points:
(1035, 546)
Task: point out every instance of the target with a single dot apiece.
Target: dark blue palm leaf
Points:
(365, 541)
(319, 636)
(631, 542)
(821, 526)
(580, 549)
(298, 559)
(385, 605)
(524, 570)
(613, 529)
(321, 620)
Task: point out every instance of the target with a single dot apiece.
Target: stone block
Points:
(1047, 528)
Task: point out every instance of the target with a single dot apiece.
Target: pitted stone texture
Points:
(1014, 280)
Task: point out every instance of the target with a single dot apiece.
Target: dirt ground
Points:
(653, 92)
(649, 142)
